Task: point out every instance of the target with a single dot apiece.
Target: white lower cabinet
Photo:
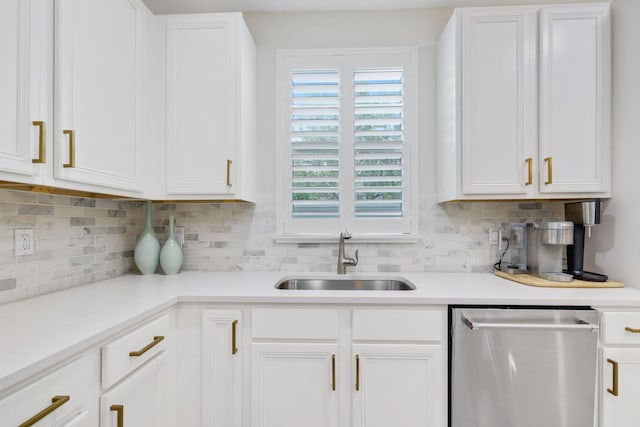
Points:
(135, 377)
(620, 369)
(397, 385)
(294, 384)
(67, 397)
(221, 378)
(138, 400)
(360, 367)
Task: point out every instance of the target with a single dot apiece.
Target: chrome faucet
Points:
(344, 261)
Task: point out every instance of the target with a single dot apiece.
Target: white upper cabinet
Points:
(575, 99)
(25, 85)
(210, 107)
(98, 93)
(501, 135)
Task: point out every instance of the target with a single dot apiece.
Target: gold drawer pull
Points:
(56, 402)
(229, 162)
(530, 171)
(549, 161)
(143, 350)
(333, 372)
(120, 413)
(234, 347)
(632, 330)
(357, 372)
(42, 139)
(614, 390)
(72, 148)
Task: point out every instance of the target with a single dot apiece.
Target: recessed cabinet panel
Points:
(98, 92)
(293, 385)
(200, 91)
(25, 75)
(398, 385)
(619, 405)
(497, 110)
(574, 123)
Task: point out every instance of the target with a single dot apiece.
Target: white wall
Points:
(404, 28)
(615, 245)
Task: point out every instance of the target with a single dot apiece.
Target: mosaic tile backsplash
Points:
(80, 241)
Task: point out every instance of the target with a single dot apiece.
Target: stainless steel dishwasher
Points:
(523, 367)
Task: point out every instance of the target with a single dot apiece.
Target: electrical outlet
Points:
(24, 241)
(493, 235)
(179, 231)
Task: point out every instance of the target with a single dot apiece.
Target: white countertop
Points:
(39, 332)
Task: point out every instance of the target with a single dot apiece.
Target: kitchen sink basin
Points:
(345, 284)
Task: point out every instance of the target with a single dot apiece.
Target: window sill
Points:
(333, 238)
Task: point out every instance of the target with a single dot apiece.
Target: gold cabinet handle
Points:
(42, 141)
(530, 171)
(234, 347)
(56, 402)
(143, 350)
(632, 330)
(333, 372)
(357, 372)
(229, 162)
(120, 413)
(549, 161)
(72, 148)
(614, 390)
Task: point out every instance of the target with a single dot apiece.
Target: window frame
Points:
(402, 229)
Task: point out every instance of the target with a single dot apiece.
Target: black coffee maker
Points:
(584, 215)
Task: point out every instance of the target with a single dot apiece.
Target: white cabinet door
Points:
(498, 54)
(138, 400)
(621, 410)
(294, 384)
(25, 85)
(210, 107)
(98, 93)
(575, 99)
(221, 375)
(398, 385)
(67, 397)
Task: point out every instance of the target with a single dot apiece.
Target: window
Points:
(347, 142)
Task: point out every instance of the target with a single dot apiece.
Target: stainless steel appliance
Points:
(545, 248)
(584, 216)
(523, 367)
(512, 248)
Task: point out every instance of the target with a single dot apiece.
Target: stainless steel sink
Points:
(345, 284)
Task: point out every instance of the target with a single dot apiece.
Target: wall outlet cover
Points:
(23, 241)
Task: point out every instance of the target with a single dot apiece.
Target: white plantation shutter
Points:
(378, 140)
(348, 123)
(315, 144)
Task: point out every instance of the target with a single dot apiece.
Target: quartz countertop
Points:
(39, 332)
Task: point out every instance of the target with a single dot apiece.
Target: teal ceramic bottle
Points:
(171, 254)
(147, 251)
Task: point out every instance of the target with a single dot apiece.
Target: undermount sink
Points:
(345, 284)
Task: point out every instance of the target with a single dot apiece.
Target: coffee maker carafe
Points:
(584, 216)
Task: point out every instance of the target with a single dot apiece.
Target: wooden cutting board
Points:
(530, 280)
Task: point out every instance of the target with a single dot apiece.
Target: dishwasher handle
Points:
(577, 325)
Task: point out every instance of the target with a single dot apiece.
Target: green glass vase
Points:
(171, 254)
(147, 251)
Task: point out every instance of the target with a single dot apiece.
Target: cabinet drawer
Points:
(127, 353)
(292, 323)
(78, 381)
(619, 327)
(398, 324)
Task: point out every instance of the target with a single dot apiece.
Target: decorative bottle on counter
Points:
(147, 251)
(171, 254)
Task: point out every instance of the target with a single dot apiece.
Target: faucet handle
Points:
(356, 258)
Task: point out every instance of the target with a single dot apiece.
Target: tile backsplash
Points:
(77, 241)
(80, 241)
